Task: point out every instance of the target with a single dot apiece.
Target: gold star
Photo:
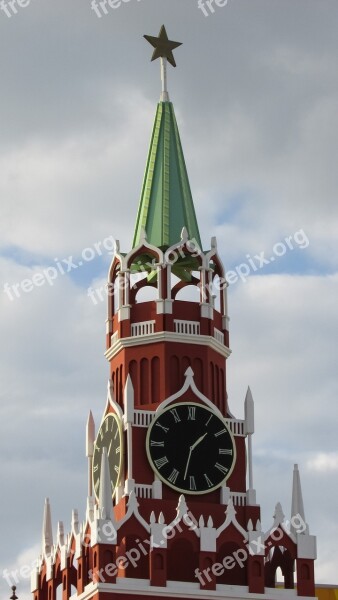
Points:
(163, 46)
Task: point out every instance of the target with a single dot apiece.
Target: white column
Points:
(164, 94)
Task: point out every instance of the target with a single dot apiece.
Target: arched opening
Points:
(182, 561)
(279, 568)
(158, 562)
(235, 569)
(144, 377)
(257, 569)
(216, 292)
(146, 294)
(188, 293)
(175, 379)
(138, 568)
(155, 379)
(279, 578)
(305, 572)
(198, 372)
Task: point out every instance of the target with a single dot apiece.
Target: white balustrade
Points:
(187, 327)
(143, 491)
(218, 335)
(143, 418)
(143, 328)
(238, 498)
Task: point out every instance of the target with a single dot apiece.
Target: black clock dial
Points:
(109, 436)
(190, 448)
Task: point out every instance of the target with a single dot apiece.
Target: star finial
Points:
(163, 46)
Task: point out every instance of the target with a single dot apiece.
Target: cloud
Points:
(323, 462)
(255, 95)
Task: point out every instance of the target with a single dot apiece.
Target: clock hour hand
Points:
(109, 448)
(198, 441)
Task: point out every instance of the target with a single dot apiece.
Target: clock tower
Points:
(171, 509)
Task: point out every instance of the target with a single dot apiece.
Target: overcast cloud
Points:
(256, 97)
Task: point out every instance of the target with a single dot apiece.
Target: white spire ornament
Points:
(47, 531)
(163, 50)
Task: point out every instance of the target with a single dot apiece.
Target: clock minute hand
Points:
(188, 461)
(190, 452)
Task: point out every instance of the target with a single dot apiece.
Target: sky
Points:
(256, 95)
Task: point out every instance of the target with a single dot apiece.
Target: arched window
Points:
(182, 561)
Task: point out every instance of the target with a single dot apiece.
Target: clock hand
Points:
(188, 461)
(109, 448)
(198, 441)
(190, 452)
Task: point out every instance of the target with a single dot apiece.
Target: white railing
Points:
(238, 498)
(143, 328)
(187, 327)
(114, 338)
(143, 418)
(219, 336)
(236, 426)
(143, 491)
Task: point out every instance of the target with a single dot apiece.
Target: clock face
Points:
(190, 448)
(109, 436)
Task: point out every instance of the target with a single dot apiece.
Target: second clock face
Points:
(190, 448)
(109, 436)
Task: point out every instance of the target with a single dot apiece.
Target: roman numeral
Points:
(191, 413)
(160, 462)
(116, 469)
(208, 421)
(175, 415)
(225, 451)
(220, 432)
(192, 484)
(107, 424)
(156, 444)
(96, 468)
(101, 435)
(112, 425)
(221, 468)
(118, 450)
(173, 476)
(208, 482)
(165, 429)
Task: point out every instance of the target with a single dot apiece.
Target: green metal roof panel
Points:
(166, 204)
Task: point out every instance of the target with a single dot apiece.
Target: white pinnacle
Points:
(249, 412)
(90, 435)
(47, 531)
(297, 505)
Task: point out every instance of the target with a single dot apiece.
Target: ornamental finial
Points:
(14, 596)
(163, 50)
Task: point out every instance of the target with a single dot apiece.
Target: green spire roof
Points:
(166, 204)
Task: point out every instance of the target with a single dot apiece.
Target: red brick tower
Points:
(171, 508)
